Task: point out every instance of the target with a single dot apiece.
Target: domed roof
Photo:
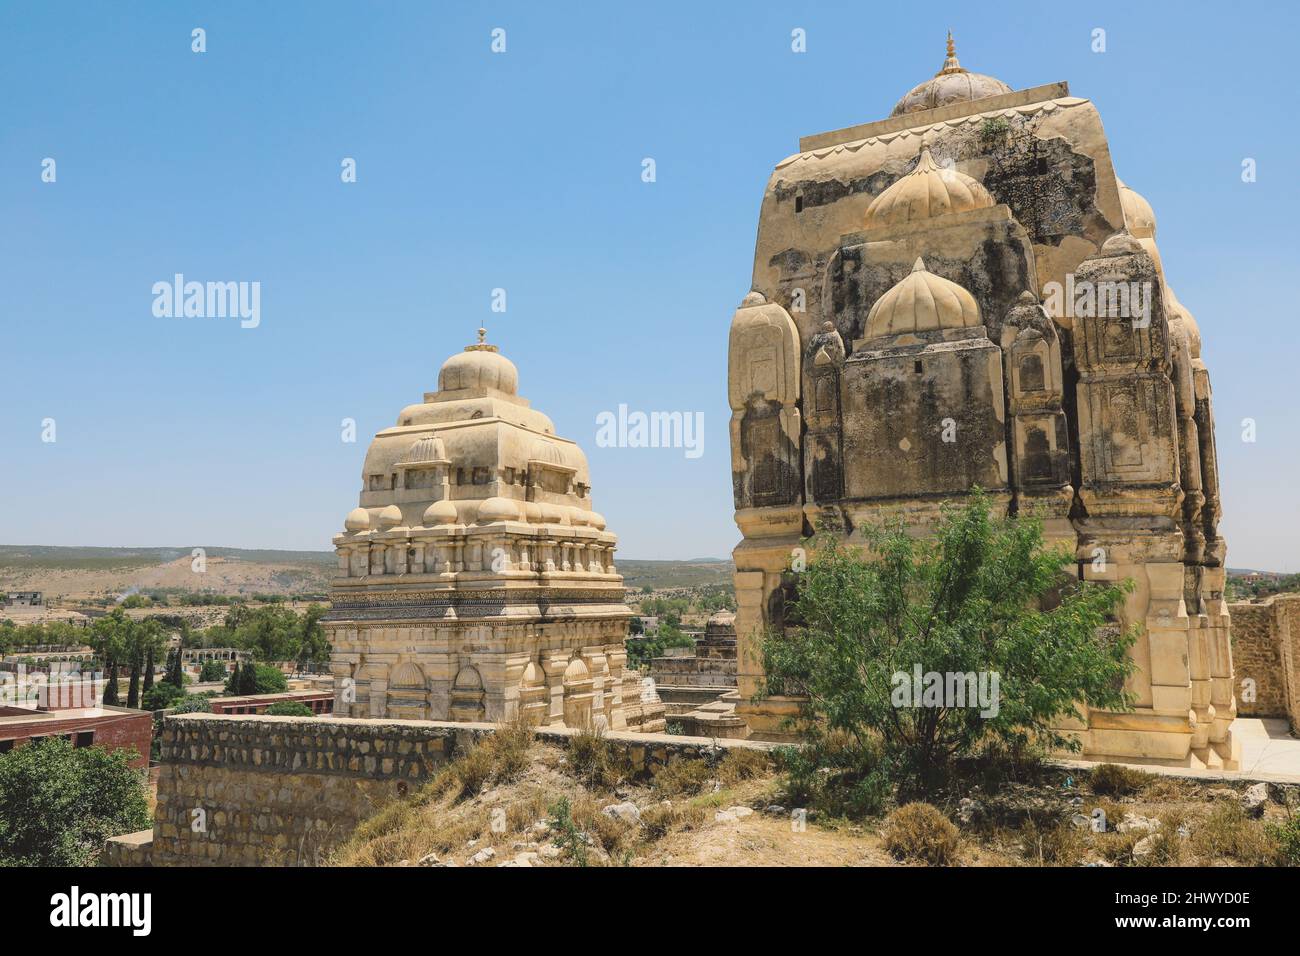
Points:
(546, 451)
(922, 302)
(576, 670)
(952, 84)
(390, 517)
(479, 366)
(928, 190)
(497, 509)
(1139, 217)
(358, 519)
(1179, 313)
(440, 512)
(428, 448)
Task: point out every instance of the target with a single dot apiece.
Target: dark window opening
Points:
(916, 366)
(1040, 166)
(85, 739)
(798, 204)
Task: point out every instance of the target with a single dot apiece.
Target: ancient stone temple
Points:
(475, 581)
(966, 294)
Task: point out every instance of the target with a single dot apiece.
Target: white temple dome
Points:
(479, 366)
(428, 448)
(358, 519)
(928, 190)
(922, 302)
(952, 84)
(1139, 217)
(390, 517)
(497, 509)
(440, 512)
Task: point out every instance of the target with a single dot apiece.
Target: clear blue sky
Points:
(522, 171)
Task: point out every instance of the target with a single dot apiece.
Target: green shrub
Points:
(918, 831)
(289, 708)
(212, 671)
(59, 803)
(161, 696)
(982, 596)
(1287, 837)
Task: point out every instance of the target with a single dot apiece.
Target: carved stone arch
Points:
(408, 697)
(468, 698)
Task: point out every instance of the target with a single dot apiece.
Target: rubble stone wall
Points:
(284, 791)
(1264, 639)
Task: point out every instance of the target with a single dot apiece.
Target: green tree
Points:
(212, 671)
(59, 803)
(983, 597)
(148, 669)
(161, 696)
(268, 679)
(289, 708)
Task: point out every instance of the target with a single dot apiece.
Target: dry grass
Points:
(1227, 833)
(503, 794)
(920, 832)
(1116, 780)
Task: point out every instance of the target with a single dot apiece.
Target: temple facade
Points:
(965, 294)
(475, 581)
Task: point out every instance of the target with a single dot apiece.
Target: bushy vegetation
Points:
(289, 708)
(982, 596)
(59, 803)
(919, 832)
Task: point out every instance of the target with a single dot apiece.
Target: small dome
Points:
(550, 514)
(428, 448)
(546, 451)
(532, 675)
(926, 191)
(952, 84)
(596, 520)
(576, 670)
(1179, 312)
(390, 517)
(1139, 217)
(440, 512)
(479, 366)
(922, 302)
(497, 509)
(722, 619)
(358, 519)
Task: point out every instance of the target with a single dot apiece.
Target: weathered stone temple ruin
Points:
(966, 294)
(475, 581)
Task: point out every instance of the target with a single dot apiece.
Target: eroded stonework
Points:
(475, 581)
(965, 294)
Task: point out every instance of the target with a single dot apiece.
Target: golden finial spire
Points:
(950, 65)
(482, 344)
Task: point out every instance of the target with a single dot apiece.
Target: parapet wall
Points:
(1266, 651)
(283, 791)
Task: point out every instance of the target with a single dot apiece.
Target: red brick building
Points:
(317, 701)
(111, 727)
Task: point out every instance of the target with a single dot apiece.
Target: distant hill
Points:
(79, 573)
(82, 573)
(675, 574)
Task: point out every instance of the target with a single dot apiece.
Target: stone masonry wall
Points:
(283, 791)
(1264, 639)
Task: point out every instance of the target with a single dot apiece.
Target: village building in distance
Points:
(963, 294)
(475, 580)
